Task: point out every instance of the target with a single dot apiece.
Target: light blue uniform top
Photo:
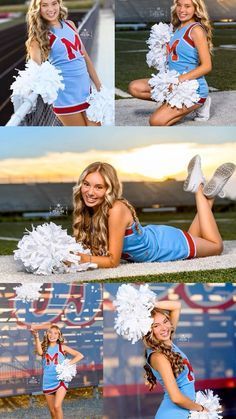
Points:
(53, 357)
(183, 55)
(185, 381)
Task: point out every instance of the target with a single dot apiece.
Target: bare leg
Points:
(209, 242)
(194, 228)
(166, 116)
(60, 394)
(50, 399)
(140, 89)
(74, 120)
(89, 123)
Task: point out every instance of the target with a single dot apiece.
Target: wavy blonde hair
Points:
(91, 228)
(38, 28)
(45, 343)
(201, 16)
(150, 341)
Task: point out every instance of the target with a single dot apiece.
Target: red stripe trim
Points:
(202, 100)
(191, 243)
(128, 231)
(60, 349)
(187, 37)
(71, 109)
(62, 384)
(71, 26)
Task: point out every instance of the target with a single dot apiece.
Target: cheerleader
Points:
(54, 352)
(107, 224)
(167, 364)
(189, 53)
(52, 37)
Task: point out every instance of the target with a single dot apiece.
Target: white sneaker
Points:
(195, 176)
(221, 176)
(203, 113)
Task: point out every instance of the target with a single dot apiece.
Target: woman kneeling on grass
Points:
(107, 224)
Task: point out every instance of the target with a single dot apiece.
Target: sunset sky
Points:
(55, 154)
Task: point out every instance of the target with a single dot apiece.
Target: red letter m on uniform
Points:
(50, 359)
(70, 46)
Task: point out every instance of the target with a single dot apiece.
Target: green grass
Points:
(12, 23)
(132, 65)
(14, 227)
(218, 275)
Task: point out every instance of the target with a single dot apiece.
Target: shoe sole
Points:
(219, 179)
(190, 184)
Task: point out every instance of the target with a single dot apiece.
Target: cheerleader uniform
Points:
(185, 381)
(66, 55)
(157, 243)
(52, 358)
(183, 56)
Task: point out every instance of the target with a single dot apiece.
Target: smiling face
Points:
(49, 10)
(162, 328)
(185, 11)
(53, 334)
(93, 190)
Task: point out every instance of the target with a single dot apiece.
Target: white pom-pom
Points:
(160, 34)
(48, 248)
(43, 79)
(211, 402)
(28, 292)
(156, 58)
(159, 37)
(134, 306)
(101, 107)
(66, 371)
(184, 94)
(161, 83)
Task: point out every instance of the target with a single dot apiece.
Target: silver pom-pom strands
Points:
(101, 107)
(133, 307)
(66, 371)
(48, 249)
(211, 402)
(28, 292)
(44, 80)
(165, 85)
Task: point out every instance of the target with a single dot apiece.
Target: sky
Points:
(60, 154)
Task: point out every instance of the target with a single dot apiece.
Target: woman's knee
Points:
(133, 88)
(156, 120)
(219, 247)
(58, 407)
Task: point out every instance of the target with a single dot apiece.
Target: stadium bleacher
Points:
(153, 11)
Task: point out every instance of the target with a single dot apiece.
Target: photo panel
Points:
(174, 66)
(31, 315)
(204, 336)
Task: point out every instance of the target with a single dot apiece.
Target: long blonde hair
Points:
(91, 228)
(46, 342)
(150, 341)
(200, 15)
(38, 27)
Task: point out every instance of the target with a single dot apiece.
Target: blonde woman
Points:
(52, 37)
(53, 351)
(166, 363)
(189, 53)
(107, 224)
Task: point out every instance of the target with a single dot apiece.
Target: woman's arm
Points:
(37, 342)
(200, 41)
(77, 356)
(90, 67)
(174, 307)
(35, 53)
(161, 364)
(119, 219)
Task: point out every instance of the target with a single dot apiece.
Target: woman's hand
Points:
(182, 78)
(34, 332)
